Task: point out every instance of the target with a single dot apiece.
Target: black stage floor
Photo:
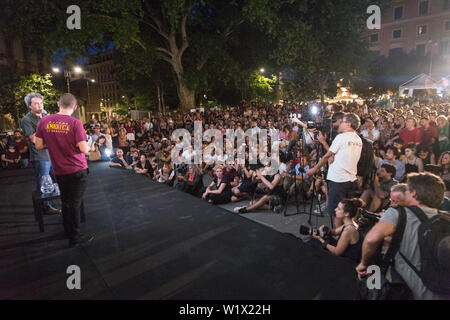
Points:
(153, 242)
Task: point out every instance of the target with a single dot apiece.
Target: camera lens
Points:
(304, 230)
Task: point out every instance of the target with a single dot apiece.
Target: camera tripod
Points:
(292, 153)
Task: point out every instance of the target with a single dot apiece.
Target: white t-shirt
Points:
(375, 134)
(347, 149)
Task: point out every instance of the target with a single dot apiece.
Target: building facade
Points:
(413, 26)
(102, 67)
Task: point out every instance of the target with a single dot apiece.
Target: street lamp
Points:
(262, 70)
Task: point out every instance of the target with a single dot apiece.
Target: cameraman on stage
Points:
(344, 154)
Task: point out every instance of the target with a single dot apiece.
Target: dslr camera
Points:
(309, 231)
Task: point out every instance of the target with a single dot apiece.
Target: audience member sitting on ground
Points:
(165, 175)
(412, 162)
(191, 182)
(219, 191)
(378, 195)
(349, 241)
(273, 199)
(11, 157)
(143, 166)
(118, 160)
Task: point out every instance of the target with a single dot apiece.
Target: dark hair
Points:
(352, 206)
(399, 141)
(389, 168)
(337, 116)
(429, 188)
(396, 152)
(411, 146)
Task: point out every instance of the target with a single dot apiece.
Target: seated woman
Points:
(444, 164)
(191, 182)
(143, 166)
(274, 196)
(219, 191)
(411, 161)
(165, 175)
(105, 152)
(349, 241)
(246, 186)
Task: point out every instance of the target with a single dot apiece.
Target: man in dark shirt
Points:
(378, 195)
(118, 160)
(39, 158)
(21, 146)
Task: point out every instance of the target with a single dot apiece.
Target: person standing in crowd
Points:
(66, 141)
(39, 158)
(346, 151)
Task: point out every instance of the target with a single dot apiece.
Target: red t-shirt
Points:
(61, 134)
(20, 146)
(411, 136)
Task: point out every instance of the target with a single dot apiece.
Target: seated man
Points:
(118, 161)
(378, 194)
(392, 154)
(273, 199)
(11, 157)
(191, 182)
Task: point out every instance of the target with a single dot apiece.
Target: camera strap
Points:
(388, 259)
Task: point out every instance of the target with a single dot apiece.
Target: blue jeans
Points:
(42, 168)
(338, 191)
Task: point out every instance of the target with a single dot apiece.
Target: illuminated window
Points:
(421, 30)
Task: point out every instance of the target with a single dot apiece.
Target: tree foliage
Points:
(16, 87)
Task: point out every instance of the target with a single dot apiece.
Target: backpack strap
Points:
(419, 213)
(388, 259)
(423, 218)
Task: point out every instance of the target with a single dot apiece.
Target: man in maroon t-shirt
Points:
(66, 141)
(411, 134)
(429, 133)
(22, 146)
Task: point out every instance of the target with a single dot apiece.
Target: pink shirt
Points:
(61, 134)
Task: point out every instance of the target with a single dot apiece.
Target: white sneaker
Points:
(238, 209)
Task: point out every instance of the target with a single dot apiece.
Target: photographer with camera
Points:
(344, 153)
(420, 236)
(348, 243)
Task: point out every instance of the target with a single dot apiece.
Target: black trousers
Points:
(72, 187)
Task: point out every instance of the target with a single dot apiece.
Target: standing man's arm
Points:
(28, 129)
(39, 143)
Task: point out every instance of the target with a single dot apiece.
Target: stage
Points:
(154, 242)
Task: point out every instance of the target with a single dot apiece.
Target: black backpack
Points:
(366, 161)
(434, 245)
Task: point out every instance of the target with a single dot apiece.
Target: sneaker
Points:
(240, 209)
(51, 211)
(83, 241)
(278, 208)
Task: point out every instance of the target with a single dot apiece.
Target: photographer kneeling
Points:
(348, 243)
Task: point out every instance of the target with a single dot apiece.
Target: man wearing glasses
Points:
(344, 154)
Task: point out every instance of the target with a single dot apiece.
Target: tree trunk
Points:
(186, 96)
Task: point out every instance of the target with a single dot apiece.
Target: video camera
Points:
(305, 230)
(367, 220)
